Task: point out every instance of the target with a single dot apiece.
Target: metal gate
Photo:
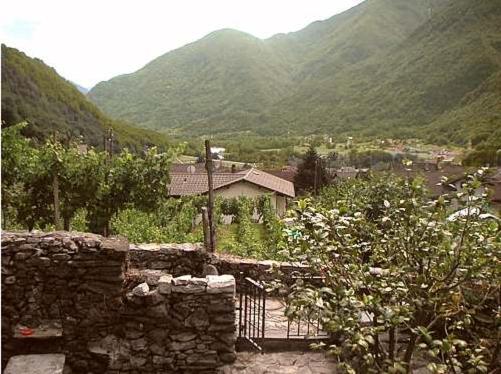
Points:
(252, 313)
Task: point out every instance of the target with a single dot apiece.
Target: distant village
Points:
(234, 179)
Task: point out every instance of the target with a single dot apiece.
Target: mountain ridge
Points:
(36, 93)
(381, 68)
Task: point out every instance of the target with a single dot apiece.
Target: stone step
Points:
(36, 364)
(50, 329)
(45, 338)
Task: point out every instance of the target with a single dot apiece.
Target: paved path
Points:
(281, 363)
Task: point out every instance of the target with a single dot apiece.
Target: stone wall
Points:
(60, 282)
(181, 324)
(262, 271)
(75, 292)
(175, 259)
(180, 259)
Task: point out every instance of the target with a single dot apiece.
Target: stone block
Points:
(198, 319)
(141, 289)
(160, 265)
(182, 280)
(61, 257)
(153, 298)
(184, 337)
(138, 344)
(188, 285)
(116, 244)
(221, 284)
(36, 364)
(137, 361)
(21, 256)
(152, 277)
(157, 311)
(183, 346)
(165, 284)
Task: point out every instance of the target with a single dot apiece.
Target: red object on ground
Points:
(26, 331)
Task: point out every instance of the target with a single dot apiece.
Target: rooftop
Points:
(185, 183)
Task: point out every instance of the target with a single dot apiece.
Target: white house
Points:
(251, 183)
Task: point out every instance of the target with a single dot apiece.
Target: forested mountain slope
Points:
(34, 92)
(427, 68)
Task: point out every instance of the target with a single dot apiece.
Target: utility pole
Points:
(208, 167)
(55, 192)
(108, 150)
(315, 180)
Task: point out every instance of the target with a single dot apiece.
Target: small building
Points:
(251, 183)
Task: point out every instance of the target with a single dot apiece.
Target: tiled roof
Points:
(433, 177)
(183, 184)
(287, 173)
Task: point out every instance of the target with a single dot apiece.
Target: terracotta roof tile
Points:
(183, 184)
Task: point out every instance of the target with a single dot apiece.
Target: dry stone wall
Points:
(60, 282)
(182, 324)
(176, 259)
(180, 259)
(81, 296)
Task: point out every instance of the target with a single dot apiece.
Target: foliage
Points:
(173, 221)
(272, 226)
(427, 280)
(34, 92)
(373, 159)
(130, 181)
(90, 181)
(311, 173)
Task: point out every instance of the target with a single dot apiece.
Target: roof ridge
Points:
(248, 173)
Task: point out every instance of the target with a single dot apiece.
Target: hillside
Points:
(227, 80)
(440, 80)
(228, 76)
(383, 68)
(34, 92)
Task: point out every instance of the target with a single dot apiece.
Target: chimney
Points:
(233, 168)
(439, 160)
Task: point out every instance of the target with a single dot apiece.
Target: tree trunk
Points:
(409, 352)
(391, 347)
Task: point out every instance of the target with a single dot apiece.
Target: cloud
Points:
(94, 40)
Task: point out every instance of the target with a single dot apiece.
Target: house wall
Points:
(252, 191)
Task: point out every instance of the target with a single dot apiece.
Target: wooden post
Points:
(208, 167)
(55, 192)
(205, 225)
(316, 176)
(55, 189)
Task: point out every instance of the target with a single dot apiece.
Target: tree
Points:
(39, 182)
(79, 181)
(130, 181)
(26, 189)
(311, 174)
(428, 281)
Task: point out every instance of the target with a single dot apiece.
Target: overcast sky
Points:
(89, 41)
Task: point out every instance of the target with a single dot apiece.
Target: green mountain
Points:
(428, 68)
(441, 80)
(34, 92)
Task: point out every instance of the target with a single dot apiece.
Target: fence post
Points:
(205, 225)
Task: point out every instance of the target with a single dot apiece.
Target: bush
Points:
(388, 253)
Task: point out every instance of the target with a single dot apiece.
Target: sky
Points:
(94, 40)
